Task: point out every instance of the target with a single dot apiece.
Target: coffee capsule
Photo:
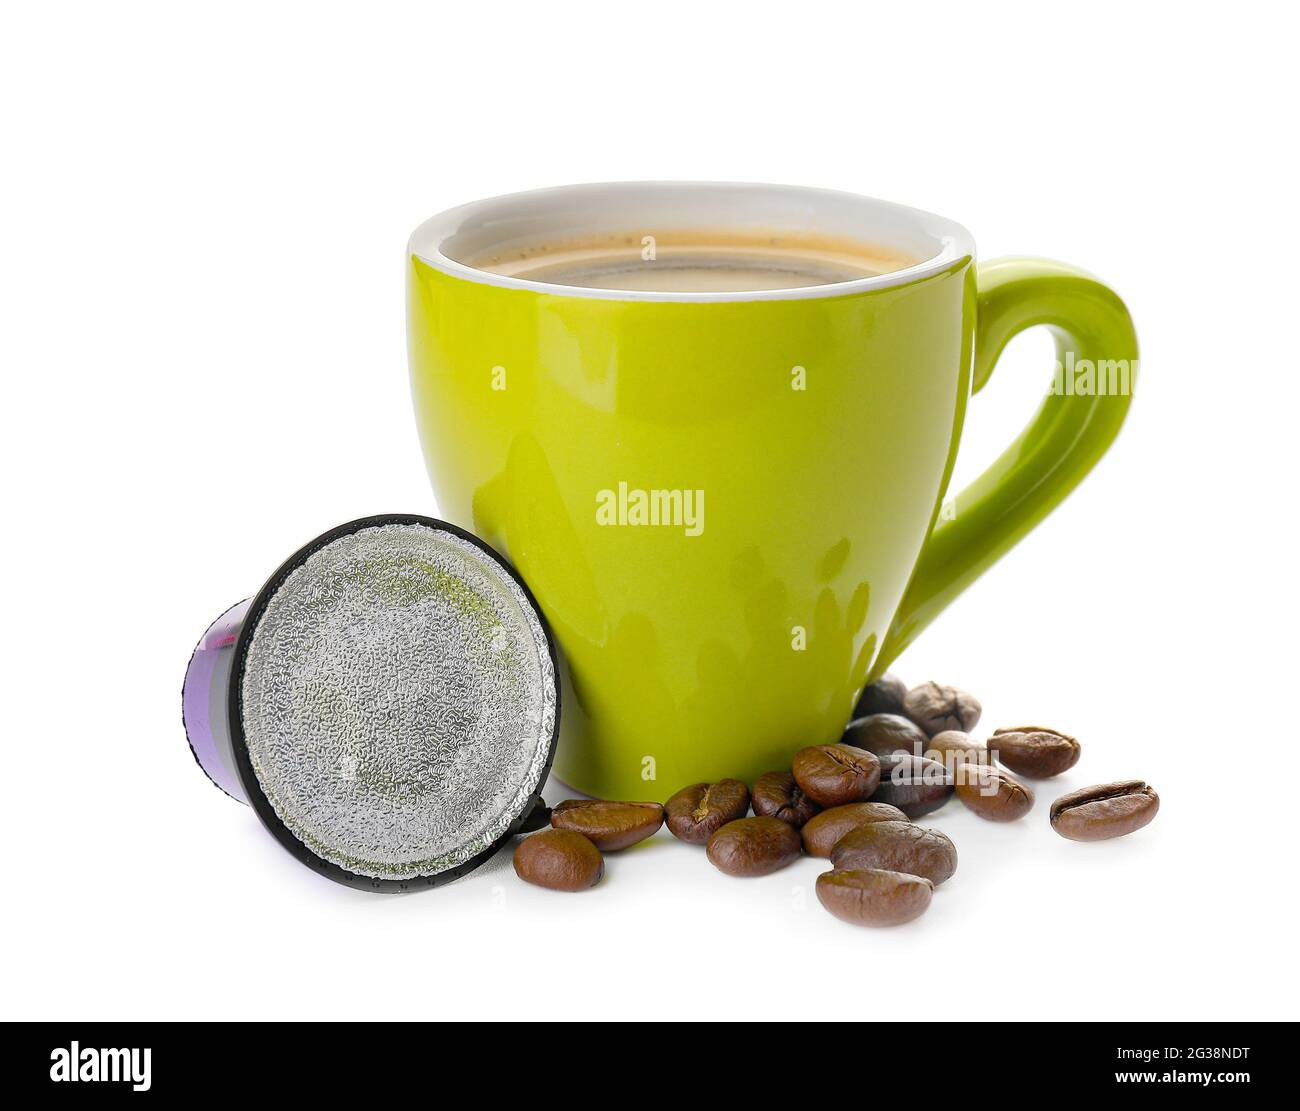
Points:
(388, 704)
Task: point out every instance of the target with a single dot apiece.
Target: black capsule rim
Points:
(257, 798)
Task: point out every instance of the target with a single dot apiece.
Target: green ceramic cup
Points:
(732, 507)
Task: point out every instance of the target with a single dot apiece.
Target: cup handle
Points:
(1071, 430)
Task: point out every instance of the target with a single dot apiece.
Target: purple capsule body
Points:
(205, 700)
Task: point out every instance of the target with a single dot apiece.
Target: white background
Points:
(204, 214)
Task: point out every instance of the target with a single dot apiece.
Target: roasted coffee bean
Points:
(559, 859)
(777, 795)
(609, 825)
(822, 831)
(914, 784)
(697, 812)
(754, 846)
(1107, 810)
(835, 774)
(873, 897)
(935, 708)
(992, 793)
(1034, 750)
(953, 747)
(897, 847)
(884, 696)
(882, 734)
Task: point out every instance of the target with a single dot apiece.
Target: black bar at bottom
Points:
(340, 1060)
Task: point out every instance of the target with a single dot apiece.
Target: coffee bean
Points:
(872, 897)
(1034, 750)
(697, 812)
(559, 859)
(777, 795)
(992, 793)
(953, 747)
(609, 825)
(539, 817)
(884, 696)
(1107, 810)
(822, 831)
(835, 774)
(897, 847)
(754, 846)
(914, 784)
(935, 708)
(882, 734)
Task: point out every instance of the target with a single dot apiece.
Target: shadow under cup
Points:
(717, 498)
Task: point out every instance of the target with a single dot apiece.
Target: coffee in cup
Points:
(694, 260)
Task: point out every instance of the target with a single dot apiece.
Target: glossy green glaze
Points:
(821, 433)
(1076, 423)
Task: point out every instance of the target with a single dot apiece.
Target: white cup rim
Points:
(939, 243)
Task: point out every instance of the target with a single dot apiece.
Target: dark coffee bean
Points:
(539, 817)
(897, 847)
(697, 812)
(559, 859)
(1107, 810)
(777, 795)
(873, 897)
(609, 825)
(821, 832)
(953, 747)
(754, 846)
(914, 784)
(882, 734)
(884, 696)
(835, 774)
(1035, 751)
(936, 708)
(992, 793)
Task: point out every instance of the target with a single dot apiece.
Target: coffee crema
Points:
(696, 260)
